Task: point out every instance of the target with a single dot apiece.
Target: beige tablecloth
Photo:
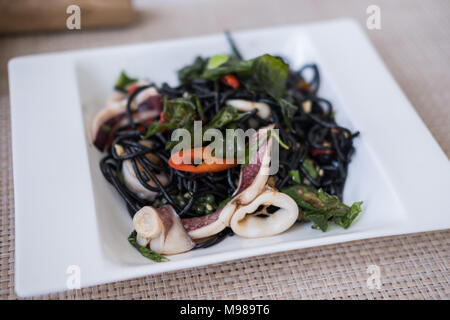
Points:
(414, 41)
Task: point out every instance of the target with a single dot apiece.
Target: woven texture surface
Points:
(414, 42)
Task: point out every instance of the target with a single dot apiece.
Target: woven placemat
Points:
(414, 41)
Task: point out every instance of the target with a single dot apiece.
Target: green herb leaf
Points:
(288, 111)
(265, 74)
(225, 116)
(216, 61)
(310, 168)
(322, 208)
(346, 220)
(170, 145)
(232, 65)
(198, 105)
(193, 103)
(178, 113)
(124, 81)
(269, 75)
(146, 252)
(193, 71)
(295, 175)
(305, 196)
(319, 219)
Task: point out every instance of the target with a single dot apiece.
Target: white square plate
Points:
(67, 214)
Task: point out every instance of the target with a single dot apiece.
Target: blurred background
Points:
(416, 29)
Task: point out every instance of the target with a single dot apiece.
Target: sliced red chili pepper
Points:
(315, 152)
(162, 120)
(213, 164)
(132, 87)
(230, 80)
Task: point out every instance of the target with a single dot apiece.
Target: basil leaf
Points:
(288, 111)
(319, 219)
(322, 208)
(172, 143)
(156, 127)
(232, 65)
(123, 81)
(192, 103)
(346, 220)
(146, 252)
(178, 113)
(216, 61)
(304, 196)
(270, 75)
(198, 105)
(225, 116)
(193, 71)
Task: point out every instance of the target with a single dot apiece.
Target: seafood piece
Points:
(271, 213)
(244, 105)
(162, 229)
(209, 225)
(252, 181)
(132, 182)
(147, 105)
(254, 175)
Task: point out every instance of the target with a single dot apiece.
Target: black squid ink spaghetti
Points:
(182, 207)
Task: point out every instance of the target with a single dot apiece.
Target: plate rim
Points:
(249, 252)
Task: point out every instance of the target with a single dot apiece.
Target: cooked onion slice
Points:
(251, 221)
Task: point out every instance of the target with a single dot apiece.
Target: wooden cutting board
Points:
(21, 16)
